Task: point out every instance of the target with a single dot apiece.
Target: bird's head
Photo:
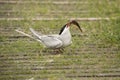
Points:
(74, 22)
(69, 24)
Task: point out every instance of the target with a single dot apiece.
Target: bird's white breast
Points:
(66, 37)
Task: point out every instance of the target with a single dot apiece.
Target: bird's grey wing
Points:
(38, 35)
(51, 41)
(35, 33)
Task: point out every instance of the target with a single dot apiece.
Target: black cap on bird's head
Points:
(68, 24)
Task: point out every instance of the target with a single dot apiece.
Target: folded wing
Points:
(50, 41)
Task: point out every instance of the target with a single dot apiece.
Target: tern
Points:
(54, 41)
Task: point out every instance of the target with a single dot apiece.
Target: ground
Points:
(93, 55)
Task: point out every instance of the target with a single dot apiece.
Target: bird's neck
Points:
(65, 31)
(66, 36)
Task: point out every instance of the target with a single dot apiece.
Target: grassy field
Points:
(93, 55)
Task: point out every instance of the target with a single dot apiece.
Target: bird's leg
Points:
(58, 50)
(61, 50)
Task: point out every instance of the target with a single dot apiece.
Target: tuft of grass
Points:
(108, 32)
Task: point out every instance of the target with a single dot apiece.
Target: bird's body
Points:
(54, 41)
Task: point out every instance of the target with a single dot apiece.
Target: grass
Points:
(93, 55)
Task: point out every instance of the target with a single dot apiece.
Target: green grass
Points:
(93, 55)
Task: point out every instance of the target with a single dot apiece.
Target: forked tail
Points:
(35, 33)
(25, 34)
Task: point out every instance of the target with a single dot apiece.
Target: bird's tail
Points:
(25, 34)
(35, 33)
